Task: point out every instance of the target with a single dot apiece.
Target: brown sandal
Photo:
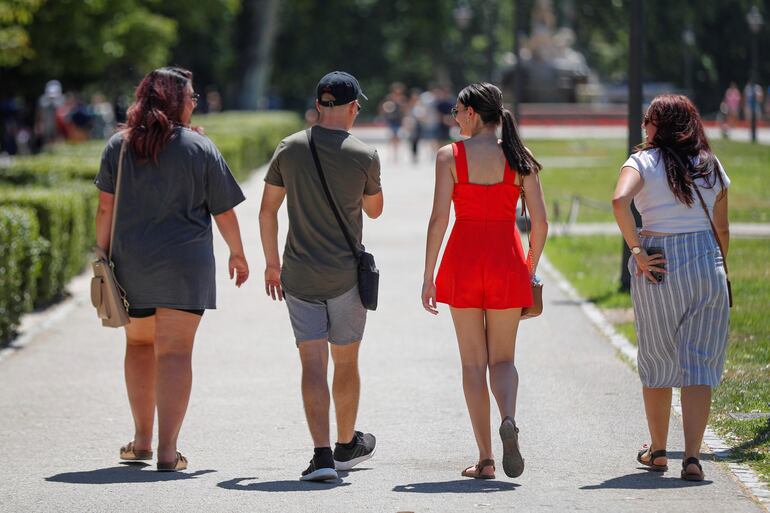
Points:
(690, 476)
(477, 470)
(654, 455)
(129, 453)
(173, 466)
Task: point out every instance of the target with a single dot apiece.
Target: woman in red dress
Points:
(485, 275)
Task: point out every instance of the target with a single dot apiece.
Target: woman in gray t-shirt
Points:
(173, 181)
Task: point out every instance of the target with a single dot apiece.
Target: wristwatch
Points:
(636, 250)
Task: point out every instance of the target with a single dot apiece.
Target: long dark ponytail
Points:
(680, 136)
(487, 100)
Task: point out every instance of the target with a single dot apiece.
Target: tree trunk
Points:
(256, 34)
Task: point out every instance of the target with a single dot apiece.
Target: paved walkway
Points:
(63, 410)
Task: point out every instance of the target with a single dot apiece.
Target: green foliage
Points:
(63, 218)
(20, 265)
(15, 16)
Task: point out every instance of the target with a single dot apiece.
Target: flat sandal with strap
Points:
(172, 466)
(692, 476)
(653, 456)
(477, 470)
(130, 453)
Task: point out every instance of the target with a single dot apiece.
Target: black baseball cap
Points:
(343, 86)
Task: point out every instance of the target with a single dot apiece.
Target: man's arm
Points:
(373, 205)
(272, 199)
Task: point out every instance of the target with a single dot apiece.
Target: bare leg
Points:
(139, 366)
(314, 355)
(657, 405)
(502, 326)
(471, 339)
(175, 334)
(696, 405)
(346, 389)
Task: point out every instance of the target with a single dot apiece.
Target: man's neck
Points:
(333, 124)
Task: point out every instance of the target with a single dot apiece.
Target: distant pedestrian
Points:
(732, 101)
(173, 180)
(392, 110)
(319, 278)
(679, 290)
(485, 276)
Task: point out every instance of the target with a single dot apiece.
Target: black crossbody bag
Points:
(368, 274)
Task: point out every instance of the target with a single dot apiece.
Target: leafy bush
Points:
(20, 265)
(63, 220)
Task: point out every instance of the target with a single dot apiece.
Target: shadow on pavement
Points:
(645, 481)
(458, 486)
(279, 486)
(132, 473)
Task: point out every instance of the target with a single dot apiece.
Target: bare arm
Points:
(533, 195)
(227, 222)
(373, 205)
(272, 199)
(439, 220)
(104, 219)
(721, 222)
(629, 185)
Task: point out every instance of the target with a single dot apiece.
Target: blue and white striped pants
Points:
(681, 323)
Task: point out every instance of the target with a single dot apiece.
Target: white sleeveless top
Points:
(661, 211)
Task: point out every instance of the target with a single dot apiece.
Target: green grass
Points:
(592, 265)
(589, 168)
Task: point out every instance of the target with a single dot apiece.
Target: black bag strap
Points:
(328, 193)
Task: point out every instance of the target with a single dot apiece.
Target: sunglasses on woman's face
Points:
(195, 97)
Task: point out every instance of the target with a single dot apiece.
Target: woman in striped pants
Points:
(679, 287)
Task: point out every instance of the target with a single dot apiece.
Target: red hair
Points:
(681, 138)
(156, 111)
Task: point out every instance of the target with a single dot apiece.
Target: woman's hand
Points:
(273, 283)
(647, 264)
(239, 268)
(429, 297)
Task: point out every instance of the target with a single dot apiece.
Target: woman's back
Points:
(163, 241)
(660, 209)
(488, 190)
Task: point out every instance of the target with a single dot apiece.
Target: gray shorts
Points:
(341, 320)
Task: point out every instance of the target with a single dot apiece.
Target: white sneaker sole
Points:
(347, 465)
(322, 474)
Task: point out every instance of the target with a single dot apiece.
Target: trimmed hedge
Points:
(48, 203)
(20, 265)
(64, 219)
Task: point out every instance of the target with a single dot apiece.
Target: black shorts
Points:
(141, 313)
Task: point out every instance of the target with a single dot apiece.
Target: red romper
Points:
(484, 264)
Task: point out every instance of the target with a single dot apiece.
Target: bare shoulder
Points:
(445, 154)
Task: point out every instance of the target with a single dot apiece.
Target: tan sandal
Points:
(130, 453)
(477, 470)
(173, 466)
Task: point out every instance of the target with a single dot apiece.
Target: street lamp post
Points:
(688, 38)
(755, 21)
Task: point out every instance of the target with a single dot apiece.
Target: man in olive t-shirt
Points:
(318, 278)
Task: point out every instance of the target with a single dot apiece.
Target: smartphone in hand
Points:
(657, 251)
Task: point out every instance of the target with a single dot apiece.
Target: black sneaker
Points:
(321, 467)
(361, 448)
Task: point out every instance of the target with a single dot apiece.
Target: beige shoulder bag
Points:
(107, 296)
(537, 286)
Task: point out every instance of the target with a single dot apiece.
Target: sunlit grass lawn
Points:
(589, 168)
(592, 265)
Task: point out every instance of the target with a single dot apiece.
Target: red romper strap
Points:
(461, 161)
(510, 175)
